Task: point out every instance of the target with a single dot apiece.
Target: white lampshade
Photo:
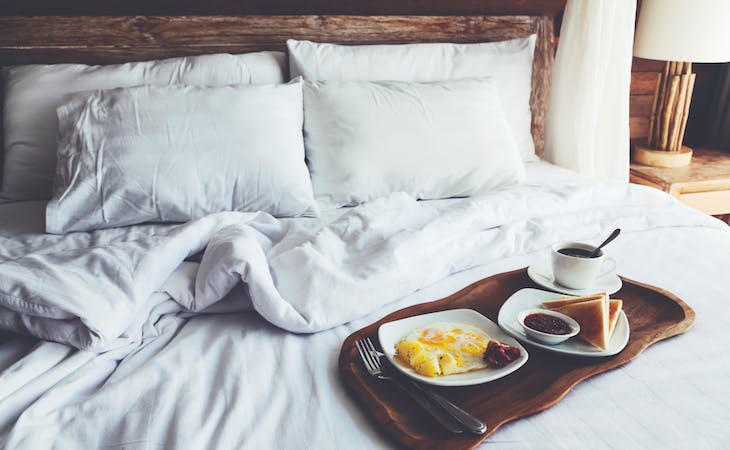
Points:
(684, 30)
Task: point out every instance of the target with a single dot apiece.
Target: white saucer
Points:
(542, 274)
(529, 298)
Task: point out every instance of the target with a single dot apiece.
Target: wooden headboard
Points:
(114, 39)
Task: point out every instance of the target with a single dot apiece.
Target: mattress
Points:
(228, 378)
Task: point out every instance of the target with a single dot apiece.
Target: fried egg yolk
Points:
(444, 349)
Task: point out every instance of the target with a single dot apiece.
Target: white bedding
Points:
(235, 380)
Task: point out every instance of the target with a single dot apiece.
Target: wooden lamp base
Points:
(662, 158)
(669, 114)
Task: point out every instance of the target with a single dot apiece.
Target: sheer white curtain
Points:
(588, 121)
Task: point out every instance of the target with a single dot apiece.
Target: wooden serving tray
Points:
(654, 314)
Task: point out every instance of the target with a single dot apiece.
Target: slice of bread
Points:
(594, 321)
(559, 303)
(614, 307)
(592, 316)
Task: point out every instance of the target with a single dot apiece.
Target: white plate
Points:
(543, 275)
(532, 298)
(389, 334)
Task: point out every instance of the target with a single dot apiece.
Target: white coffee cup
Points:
(576, 272)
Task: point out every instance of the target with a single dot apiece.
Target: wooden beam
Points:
(106, 39)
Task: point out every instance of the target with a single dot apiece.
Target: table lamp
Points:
(678, 32)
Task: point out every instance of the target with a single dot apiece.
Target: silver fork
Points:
(372, 364)
(466, 420)
(438, 406)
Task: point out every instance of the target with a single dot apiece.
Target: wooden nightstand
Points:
(704, 184)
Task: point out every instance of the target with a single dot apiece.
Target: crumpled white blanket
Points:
(94, 291)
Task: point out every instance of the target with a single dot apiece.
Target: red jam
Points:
(547, 324)
(499, 354)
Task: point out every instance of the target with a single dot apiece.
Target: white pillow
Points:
(508, 62)
(33, 92)
(432, 140)
(175, 153)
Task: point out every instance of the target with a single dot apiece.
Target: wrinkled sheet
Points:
(178, 379)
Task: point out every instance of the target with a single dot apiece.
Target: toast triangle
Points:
(614, 307)
(559, 303)
(592, 316)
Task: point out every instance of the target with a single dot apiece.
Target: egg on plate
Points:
(444, 348)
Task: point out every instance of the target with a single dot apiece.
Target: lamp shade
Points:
(684, 30)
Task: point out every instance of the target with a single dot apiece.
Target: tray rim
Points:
(390, 428)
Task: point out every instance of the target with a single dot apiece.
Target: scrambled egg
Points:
(444, 349)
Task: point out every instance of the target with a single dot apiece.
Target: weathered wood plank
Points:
(643, 83)
(204, 33)
(640, 106)
(646, 65)
(541, 80)
(122, 39)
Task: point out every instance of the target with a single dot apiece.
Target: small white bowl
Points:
(547, 338)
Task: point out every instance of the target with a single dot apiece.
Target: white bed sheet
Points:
(235, 381)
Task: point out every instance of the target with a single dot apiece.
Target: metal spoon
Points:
(608, 240)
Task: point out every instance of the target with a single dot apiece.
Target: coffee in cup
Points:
(574, 268)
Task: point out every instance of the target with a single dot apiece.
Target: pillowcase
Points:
(175, 153)
(508, 62)
(33, 92)
(431, 140)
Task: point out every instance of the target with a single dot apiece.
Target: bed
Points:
(255, 368)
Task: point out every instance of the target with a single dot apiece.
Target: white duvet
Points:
(94, 291)
(128, 293)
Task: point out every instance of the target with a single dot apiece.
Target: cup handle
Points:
(613, 266)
